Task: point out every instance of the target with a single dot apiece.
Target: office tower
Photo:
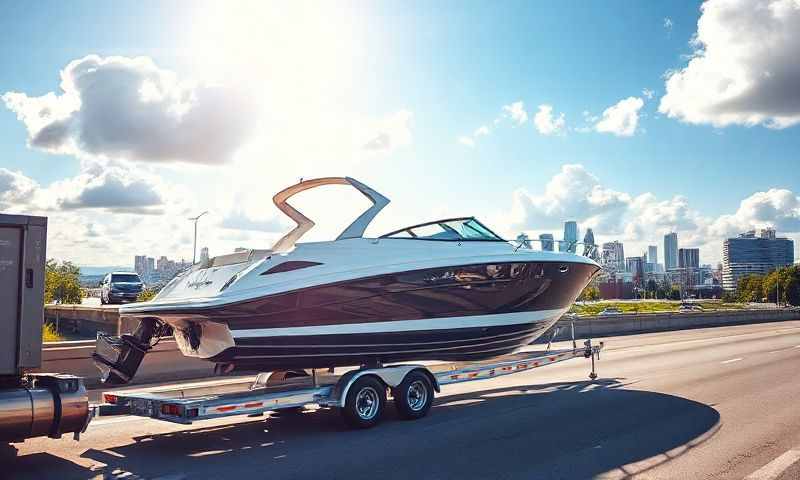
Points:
(546, 239)
(652, 255)
(570, 237)
(671, 251)
(589, 248)
(750, 253)
(689, 258)
(612, 257)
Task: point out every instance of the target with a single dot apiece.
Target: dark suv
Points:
(120, 287)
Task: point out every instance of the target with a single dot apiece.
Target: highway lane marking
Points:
(776, 467)
(732, 360)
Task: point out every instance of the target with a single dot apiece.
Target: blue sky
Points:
(310, 82)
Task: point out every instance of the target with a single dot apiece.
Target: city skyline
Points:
(588, 112)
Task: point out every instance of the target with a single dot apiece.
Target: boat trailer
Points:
(360, 393)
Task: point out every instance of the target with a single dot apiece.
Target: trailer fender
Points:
(389, 376)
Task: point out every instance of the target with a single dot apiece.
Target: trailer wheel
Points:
(364, 404)
(414, 396)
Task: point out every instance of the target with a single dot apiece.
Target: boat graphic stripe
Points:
(473, 321)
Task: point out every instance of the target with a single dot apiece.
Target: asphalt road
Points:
(711, 403)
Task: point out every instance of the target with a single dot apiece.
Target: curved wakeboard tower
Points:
(304, 224)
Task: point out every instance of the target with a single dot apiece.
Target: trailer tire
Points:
(365, 402)
(413, 398)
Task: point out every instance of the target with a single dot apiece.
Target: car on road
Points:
(120, 287)
(689, 308)
(612, 311)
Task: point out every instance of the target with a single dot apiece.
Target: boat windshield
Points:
(453, 229)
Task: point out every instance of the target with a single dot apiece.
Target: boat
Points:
(449, 290)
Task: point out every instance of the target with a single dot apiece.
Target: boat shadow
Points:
(555, 430)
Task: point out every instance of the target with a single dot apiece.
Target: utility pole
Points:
(194, 249)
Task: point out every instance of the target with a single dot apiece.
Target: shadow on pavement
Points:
(557, 430)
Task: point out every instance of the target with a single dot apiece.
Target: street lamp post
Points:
(194, 249)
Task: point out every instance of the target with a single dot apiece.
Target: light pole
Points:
(194, 249)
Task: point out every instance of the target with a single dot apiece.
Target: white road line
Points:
(779, 351)
(732, 360)
(776, 467)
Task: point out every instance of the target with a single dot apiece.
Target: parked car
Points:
(688, 308)
(120, 287)
(611, 311)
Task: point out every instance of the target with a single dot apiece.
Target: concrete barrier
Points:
(84, 320)
(629, 324)
(163, 363)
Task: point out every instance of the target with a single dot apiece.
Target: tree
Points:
(590, 293)
(750, 288)
(61, 283)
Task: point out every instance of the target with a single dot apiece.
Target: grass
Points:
(648, 306)
(49, 333)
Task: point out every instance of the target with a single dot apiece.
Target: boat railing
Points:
(585, 249)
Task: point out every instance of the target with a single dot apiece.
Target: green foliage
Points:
(649, 307)
(61, 283)
(590, 294)
(781, 284)
(49, 333)
(146, 295)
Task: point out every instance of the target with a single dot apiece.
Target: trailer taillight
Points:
(109, 398)
(170, 409)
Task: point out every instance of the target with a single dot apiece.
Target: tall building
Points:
(689, 258)
(635, 265)
(589, 248)
(570, 237)
(204, 255)
(140, 265)
(652, 254)
(612, 257)
(671, 251)
(546, 239)
(750, 253)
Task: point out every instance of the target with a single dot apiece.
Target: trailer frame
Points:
(275, 391)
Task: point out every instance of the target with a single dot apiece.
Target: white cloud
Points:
(621, 119)
(668, 23)
(643, 219)
(16, 190)
(744, 70)
(517, 112)
(466, 141)
(118, 107)
(388, 133)
(546, 123)
(113, 188)
(481, 131)
(647, 93)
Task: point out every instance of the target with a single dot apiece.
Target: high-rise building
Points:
(612, 257)
(570, 237)
(652, 254)
(671, 251)
(589, 248)
(635, 265)
(140, 265)
(546, 239)
(750, 253)
(689, 258)
(204, 255)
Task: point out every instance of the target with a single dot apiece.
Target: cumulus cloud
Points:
(547, 123)
(119, 107)
(466, 141)
(744, 69)
(481, 131)
(516, 111)
(238, 219)
(16, 189)
(390, 132)
(642, 219)
(116, 189)
(621, 119)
